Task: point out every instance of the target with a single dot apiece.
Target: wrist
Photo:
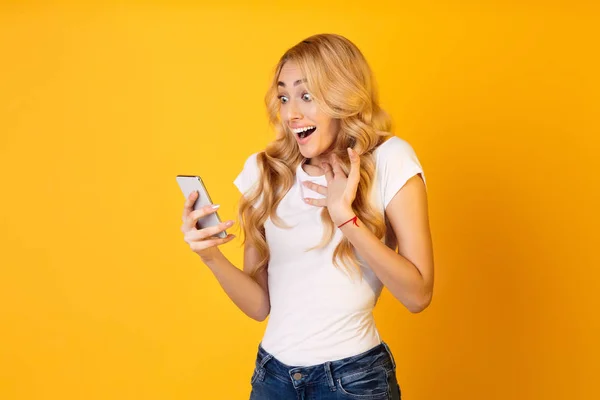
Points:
(209, 258)
(342, 217)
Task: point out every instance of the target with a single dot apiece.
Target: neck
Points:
(313, 167)
(316, 161)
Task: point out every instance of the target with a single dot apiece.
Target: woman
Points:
(323, 208)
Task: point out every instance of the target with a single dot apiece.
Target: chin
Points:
(308, 153)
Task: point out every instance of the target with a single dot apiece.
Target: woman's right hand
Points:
(200, 240)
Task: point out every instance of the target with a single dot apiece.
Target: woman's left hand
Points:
(340, 191)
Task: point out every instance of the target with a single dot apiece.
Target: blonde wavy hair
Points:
(341, 82)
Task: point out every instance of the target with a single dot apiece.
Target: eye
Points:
(306, 97)
(283, 99)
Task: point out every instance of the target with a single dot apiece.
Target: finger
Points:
(328, 171)
(205, 244)
(354, 175)
(189, 222)
(205, 233)
(189, 203)
(337, 167)
(316, 202)
(316, 187)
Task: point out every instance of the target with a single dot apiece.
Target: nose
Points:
(293, 111)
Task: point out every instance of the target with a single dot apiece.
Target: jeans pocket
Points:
(371, 384)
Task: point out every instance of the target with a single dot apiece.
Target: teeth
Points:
(300, 130)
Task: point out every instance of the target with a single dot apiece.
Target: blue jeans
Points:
(367, 376)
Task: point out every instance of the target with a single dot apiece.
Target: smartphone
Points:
(190, 183)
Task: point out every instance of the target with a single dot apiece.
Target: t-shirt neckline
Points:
(303, 174)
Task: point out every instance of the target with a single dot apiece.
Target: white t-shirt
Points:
(318, 312)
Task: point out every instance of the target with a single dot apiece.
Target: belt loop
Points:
(261, 364)
(265, 360)
(329, 376)
(387, 348)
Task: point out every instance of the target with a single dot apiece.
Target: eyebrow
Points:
(299, 81)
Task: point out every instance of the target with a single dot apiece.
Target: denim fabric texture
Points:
(367, 376)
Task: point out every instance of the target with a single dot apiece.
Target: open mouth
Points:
(306, 133)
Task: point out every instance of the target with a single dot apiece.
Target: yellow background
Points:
(101, 106)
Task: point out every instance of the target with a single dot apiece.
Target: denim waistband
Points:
(378, 356)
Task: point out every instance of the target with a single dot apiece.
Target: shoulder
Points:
(251, 164)
(393, 148)
(251, 159)
(395, 154)
(396, 162)
(249, 173)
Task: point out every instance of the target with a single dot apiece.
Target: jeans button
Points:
(297, 376)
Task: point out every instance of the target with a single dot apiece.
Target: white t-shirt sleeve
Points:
(397, 163)
(248, 176)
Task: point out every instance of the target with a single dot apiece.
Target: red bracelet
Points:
(353, 219)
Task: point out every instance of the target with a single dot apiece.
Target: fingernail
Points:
(229, 223)
(215, 206)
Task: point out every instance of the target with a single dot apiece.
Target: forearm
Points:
(244, 291)
(399, 275)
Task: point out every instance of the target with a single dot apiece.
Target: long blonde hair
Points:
(341, 82)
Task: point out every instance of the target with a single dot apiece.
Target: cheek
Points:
(310, 112)
(330, 129)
